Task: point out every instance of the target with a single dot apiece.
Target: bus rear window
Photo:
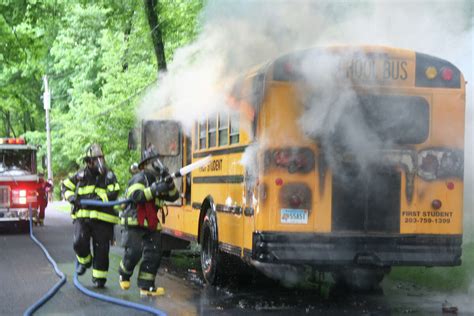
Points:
(400, 119)
(387, 118)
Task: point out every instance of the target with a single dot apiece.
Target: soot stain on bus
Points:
(237, 35)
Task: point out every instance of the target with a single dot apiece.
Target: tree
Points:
(155, 30)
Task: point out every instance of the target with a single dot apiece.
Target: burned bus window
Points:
(212, 134)
(202, 135)
(223, 130)
(234, 128)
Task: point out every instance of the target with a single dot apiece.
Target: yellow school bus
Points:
(348, 159)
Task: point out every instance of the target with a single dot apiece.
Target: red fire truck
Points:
(20, 184)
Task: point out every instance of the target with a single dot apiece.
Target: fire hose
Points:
(59, 273)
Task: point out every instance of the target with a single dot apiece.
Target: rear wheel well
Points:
(208, 203)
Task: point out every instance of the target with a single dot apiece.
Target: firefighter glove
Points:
(159, 188)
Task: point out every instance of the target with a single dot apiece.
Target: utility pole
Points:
(47, 107)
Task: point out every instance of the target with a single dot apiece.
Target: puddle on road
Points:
(259, 295)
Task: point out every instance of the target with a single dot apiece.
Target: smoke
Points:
(236, 35)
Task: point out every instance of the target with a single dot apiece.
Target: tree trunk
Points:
(156, 36)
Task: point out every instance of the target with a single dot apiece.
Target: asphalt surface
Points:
(25, 275)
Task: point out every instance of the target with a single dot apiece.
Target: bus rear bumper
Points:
(326, 250)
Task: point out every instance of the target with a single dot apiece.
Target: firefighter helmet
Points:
(94, 151)
(148, 155)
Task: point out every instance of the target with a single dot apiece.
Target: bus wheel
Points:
(360, 278)
(210, 255)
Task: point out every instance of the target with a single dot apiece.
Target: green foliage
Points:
(98, 57)
(441, 278)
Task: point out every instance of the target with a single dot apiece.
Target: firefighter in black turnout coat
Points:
(95, 182)
(148, 190)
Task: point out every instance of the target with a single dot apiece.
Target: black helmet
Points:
(94, 151)
(148, 155)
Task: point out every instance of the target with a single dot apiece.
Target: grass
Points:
(441, 278)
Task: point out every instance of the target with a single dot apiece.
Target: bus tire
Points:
(360, 278)
(211, 257)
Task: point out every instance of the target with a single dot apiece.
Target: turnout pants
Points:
(140, 242)
(101, 234)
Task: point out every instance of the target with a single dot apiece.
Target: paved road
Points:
(25, 275)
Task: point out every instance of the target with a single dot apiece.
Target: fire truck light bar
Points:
(13, 141)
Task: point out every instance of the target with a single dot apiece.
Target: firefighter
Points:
(97, 182)
(147, 190)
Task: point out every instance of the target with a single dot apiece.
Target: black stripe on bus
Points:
(231, 150)
(196, 205)
(219, 179)
(233, 250)
(237, 210)
(247, 253)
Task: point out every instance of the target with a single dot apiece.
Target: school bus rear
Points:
(403, 206)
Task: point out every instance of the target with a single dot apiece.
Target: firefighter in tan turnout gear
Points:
(148, 189)
(95, 181)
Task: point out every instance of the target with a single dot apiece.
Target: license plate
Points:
(293, 216)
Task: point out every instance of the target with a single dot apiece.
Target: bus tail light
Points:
(296, 195)
(293, 159)
(433, 72)
(447, 74)
(440, 163)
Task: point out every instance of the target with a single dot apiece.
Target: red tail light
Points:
(447, 74)
(293, 159)
(440, 163)
(436, 204)
(295, 201)
(296, 195)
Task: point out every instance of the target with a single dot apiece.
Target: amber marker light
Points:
(431, 72)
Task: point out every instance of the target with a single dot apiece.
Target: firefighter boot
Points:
(152, 291)
(81, 268)
(99, 282)
(124, 282)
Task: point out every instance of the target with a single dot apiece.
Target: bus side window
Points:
(234, 128)
(223, 130)
(202, 135)
(212, 134)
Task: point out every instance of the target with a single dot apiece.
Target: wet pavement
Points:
(25, 275)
